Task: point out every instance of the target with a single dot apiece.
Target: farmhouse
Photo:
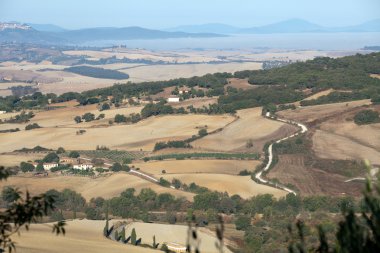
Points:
(49, 166)
(173, 99)
(83, 166)
(68, 160)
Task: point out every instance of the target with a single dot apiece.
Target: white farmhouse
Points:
(49, 166)
(83, 166)
(173, 99)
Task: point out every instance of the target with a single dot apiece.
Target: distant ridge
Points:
(286, 26)
(51, 34)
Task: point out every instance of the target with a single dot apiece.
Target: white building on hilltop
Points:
(173, 99)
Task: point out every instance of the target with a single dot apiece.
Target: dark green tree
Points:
(133, 237)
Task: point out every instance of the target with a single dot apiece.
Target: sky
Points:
(74, 14)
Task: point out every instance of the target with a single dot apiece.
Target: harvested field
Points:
(196, 102)
(319, 94)
(291, 169)
(375, 76)
(308, 114)
(166, 72)
(333, 146)
(250, 125)
(241, 185)
(142, 135)
(232, 167)
(106, 187)
(240, 84)
(14, 159)
(173, 234)
(81, 236)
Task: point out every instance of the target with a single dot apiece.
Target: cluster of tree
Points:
(336, 96)
(258, 97)
(20, 118)
(351, 72)
(366, 117)
(97, 72)
(88, 116)
(171, 144)
(32, 126)
(116, 167)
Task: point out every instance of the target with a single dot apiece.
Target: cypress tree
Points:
(122, 234)
(133, 237)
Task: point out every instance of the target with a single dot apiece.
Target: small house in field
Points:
(83, 166)
(173, 99)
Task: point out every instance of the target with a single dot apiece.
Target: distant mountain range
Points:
(51, 34)
(287, 26)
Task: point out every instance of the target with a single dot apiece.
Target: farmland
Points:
(250, 126)
(107, 186)
(245, 188)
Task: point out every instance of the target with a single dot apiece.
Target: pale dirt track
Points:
(106, 187)
(81, 236)
(241, 185)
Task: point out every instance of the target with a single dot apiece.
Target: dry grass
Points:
(232, 167)
(14, 159)
(250, 125)
(241, 185)
(142, 135)
(311, 113)
(375, 76)
(172, 233)
(196, 102)
(106, 187)
(81, 236)
(319, 94)
(334, 146)
(291, 169)
(240, 84)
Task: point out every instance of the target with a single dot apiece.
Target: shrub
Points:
(26, 167)
(119, 118)
(366, 117)
(61, 150)
(78, 119)
(88, 117)
(74, 154)
(32, 126)
(51, 157)
(202, 132)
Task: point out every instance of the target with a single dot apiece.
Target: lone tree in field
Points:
(133, 236)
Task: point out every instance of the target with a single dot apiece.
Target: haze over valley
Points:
(196, 126)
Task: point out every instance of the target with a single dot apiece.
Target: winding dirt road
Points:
(258, 175)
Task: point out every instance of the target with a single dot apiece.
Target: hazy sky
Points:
(170, 13)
